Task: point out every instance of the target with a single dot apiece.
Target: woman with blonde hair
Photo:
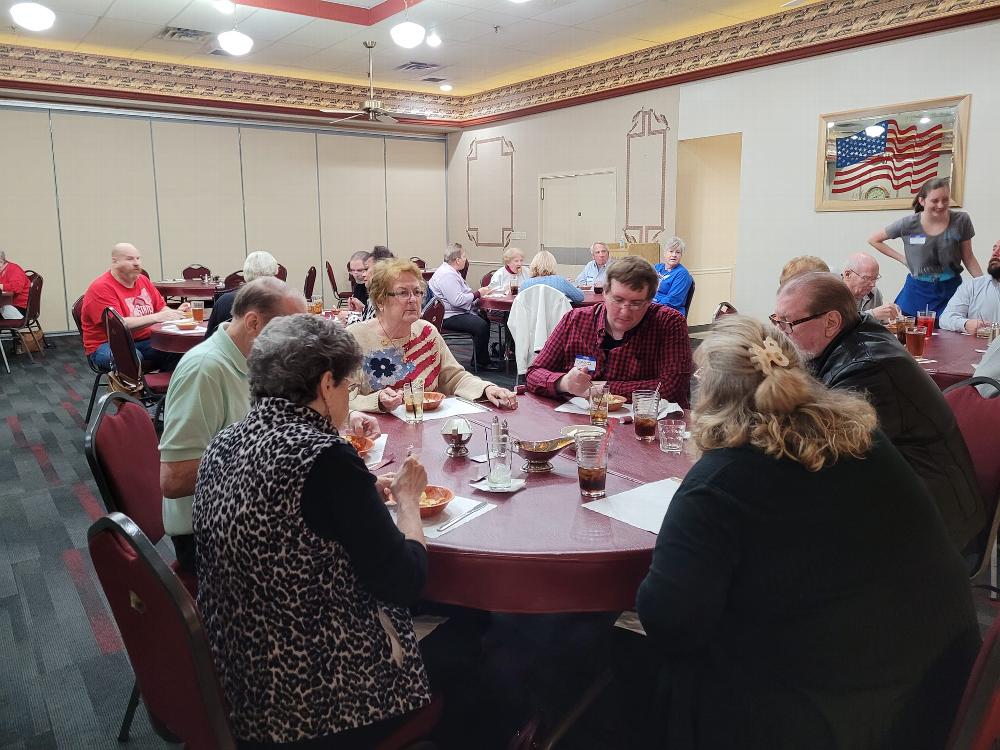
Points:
(543, 271)
(803, 590)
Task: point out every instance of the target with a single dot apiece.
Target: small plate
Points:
(572, 430)
(515, 485)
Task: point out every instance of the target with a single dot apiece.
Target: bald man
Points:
(861, 273)
(132, 295)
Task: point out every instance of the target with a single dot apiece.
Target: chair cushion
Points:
(11, 323)
(157, 382)
(977, 419)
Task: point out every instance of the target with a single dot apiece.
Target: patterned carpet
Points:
(64, 677)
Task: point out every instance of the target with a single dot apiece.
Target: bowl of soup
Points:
(361, 444)
(434, 499)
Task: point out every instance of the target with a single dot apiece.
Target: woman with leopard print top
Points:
(304, 580)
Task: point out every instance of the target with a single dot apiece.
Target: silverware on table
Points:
(483, 405)
(478, 506)
(386, 460)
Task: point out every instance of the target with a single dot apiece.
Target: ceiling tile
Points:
(147, 11)
(580, 11)
(124, 35)
(270, 25)
(279, 53)
(520, 35)
(83, 7)
(321, 33)
(201, 15)
(69, 27)
(461, 30)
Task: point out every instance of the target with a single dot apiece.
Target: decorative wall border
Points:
(506, 149)
(816, 29)
(644, 126)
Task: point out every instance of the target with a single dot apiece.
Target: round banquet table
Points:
(170, 339)
(955, 357)
(190, 289)
(503, 303)
(539, 550)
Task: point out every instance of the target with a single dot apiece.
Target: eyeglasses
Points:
(869, 279)
(406, 293)
(630, 304)
(788, 325)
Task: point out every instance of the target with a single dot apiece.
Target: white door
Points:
(576, 211)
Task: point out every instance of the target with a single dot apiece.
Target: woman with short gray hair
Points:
(295, 547)
(258, 264)
(675, 280)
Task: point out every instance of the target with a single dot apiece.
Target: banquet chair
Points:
(342, 297)
(977, 420)
(98, 372)
(419, 261)
(233, 281)
(126, 367)
(163, 636)
(533, 316)
(34, 309)
(688, 299)
(487, 278)
(433, 312)
(282, 273)
(977, 721)
(310, 285)
(195, 271)
(724, 308)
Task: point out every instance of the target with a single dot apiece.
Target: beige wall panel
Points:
(280, 197)
(415, 199)
(104, 168)
(708, 208)
(352, 201)
(29, 226)
(200, 196)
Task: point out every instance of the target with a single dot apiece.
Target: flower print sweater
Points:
(425, 356)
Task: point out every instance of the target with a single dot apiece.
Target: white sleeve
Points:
(957, 312)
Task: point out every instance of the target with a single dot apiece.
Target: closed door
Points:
(577, 211)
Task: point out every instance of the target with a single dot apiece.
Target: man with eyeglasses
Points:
(976, 303)
(627, 341)
(854, 352)
(861, 274)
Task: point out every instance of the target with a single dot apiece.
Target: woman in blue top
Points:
(543, 271)
(675, 280)
(936, 242)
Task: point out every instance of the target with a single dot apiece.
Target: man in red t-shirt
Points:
(14, 280)
(133, 296)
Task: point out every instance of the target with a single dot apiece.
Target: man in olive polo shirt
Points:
(208, 392)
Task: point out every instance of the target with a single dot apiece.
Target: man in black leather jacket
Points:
(849, 351)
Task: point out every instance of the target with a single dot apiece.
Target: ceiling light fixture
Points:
(433, 40)
(924, 120)
(446, 87)
(407, 34)
(224, 6)
(519, 1)
(32, 16)
(874, 131)
(235, 42)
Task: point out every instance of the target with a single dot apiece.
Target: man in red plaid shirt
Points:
(627, 341)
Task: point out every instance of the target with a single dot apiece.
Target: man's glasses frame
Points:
(789, 325)
(869, 279)
(634, 305)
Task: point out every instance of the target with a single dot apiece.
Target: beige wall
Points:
(196, 192)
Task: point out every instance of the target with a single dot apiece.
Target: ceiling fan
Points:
(371, 109)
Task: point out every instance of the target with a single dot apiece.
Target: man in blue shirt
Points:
(593, 272)
(675, 280)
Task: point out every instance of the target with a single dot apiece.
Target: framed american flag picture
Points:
(877, 159)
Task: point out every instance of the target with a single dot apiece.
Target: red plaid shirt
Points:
(657, 352)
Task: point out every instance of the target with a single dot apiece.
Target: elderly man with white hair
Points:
(513, 271)
(861, 273)
(675, 279)
(594, 271)
(259, 264)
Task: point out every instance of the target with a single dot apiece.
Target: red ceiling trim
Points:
(334, 11)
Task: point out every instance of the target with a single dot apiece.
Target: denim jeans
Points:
(151, 359)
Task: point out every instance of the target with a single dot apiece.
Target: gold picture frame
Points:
(876, 159)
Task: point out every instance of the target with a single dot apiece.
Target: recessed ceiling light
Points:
(32, 16)
(235, 42)
(446, 87)
(433, 40)
(224, 6)
(924, 120)
(407, 34)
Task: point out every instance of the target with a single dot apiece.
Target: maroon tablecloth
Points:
(193, 289)
(504, 303)
(540, 550)
(174, 341)
(956, 357)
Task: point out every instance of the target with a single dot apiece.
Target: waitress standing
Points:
(936, 242)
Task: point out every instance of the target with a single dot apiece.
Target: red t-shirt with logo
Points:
(107, 291)
(15, 281)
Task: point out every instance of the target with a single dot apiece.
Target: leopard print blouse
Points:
(303, 650)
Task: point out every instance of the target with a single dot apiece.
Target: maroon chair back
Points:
(724, 308)
(125, 358)
(687, 300)
(307, 288)
(163, 636)
(144, 272)
(419, 261)
(333, 279)
(434, 313)
(977, 722)
(233, 280)
(282, 273)
(34, 306)
(195, 271)
(978, 418)
(77, 311)
(123, 452)
(485, 281)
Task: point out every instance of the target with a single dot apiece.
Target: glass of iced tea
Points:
(645, 405)
(598, 287)
(592, 464)
(916, 337)
(198, 310)
(926, 319)
(413, 398)
(515, 287)
(598, 397)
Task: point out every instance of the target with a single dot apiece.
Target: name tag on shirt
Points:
(585, 363)
(918, 239)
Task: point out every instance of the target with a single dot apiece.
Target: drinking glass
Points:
(916, 337)
(598, 287)
(498, 457)
(598, 397)
(592, 464)
(645, 405)
(515, 287)
(902, 323)
(671, 435)
(926, 318)
(198, 310)
(413, 398)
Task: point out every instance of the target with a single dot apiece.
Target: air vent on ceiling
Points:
(219, 51)
(177, 34)
(412, 66)
(432, 79)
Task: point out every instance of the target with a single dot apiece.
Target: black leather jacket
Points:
(913, 414)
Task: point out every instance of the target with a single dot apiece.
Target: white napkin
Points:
(454, 509)
(196, 331)
(375, 454)
(579, 405)
(450, 407)
(925, 361)
(483, 485)
(644, 507)
(629, 620)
